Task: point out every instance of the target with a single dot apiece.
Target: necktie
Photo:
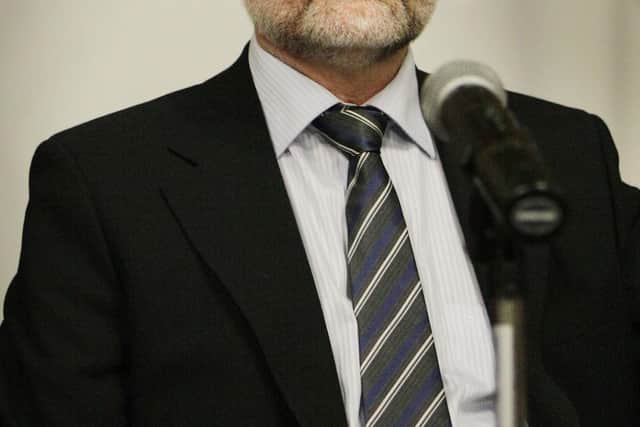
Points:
(401, 382)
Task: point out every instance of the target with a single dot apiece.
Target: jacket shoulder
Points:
(153, 122)
(534, 107)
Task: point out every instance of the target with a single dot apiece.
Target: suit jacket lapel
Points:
(227, 193)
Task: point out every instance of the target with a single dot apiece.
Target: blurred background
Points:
(63, 62)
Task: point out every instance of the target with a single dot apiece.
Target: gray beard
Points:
(340, 57)
(303, 44)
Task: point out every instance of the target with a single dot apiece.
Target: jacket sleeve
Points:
(61, 342)
(626, 205)
(625, 198)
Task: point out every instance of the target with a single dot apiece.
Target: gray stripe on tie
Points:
(389, 283)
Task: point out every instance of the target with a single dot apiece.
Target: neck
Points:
(353, 85)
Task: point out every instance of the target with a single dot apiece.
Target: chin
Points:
(351, 33)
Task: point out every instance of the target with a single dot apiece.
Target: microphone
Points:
(464, 102)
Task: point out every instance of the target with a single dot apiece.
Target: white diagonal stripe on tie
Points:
(363, 158)
(390, 328)
(369, 219)
(431, 409)
(363, 120)
(373, 419)
(380, 272)
(343, 147)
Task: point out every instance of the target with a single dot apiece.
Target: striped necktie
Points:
(401, 382)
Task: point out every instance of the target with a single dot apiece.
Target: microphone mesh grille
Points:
(447, 79)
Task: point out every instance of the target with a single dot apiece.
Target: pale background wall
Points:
(63, 62)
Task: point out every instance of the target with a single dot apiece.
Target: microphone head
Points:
(446, 80)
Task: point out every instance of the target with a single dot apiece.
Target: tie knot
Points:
(353, 130)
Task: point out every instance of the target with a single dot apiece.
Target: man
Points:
(194, 260)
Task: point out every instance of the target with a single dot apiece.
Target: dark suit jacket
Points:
(163, 281)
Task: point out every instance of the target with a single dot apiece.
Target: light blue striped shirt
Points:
(315, 175)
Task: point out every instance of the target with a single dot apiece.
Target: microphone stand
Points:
(515, 205)
(501, 246)
(507, 314)
(518, 207)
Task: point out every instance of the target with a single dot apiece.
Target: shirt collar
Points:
(291, 100)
